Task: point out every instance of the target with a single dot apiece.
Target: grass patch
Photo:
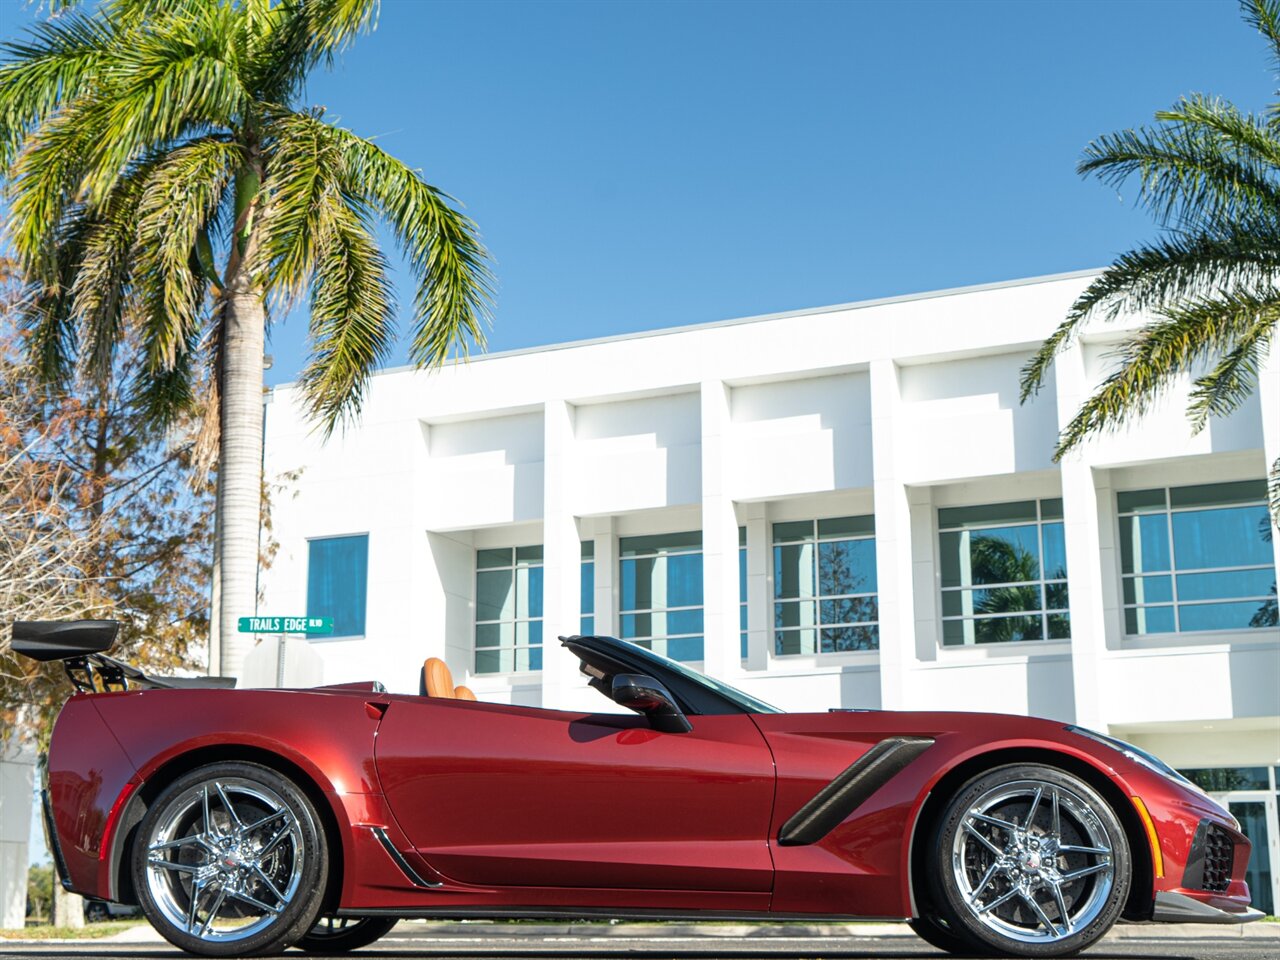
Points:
(90, 931)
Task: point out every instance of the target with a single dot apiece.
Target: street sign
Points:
(286, 624)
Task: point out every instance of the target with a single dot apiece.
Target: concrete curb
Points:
(468, 930)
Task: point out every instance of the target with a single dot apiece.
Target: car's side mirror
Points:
(646, 695)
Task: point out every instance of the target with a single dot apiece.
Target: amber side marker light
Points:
(1156, 855)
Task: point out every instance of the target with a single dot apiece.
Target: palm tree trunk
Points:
(239, 468)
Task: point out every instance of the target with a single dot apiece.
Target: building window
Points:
(1197, 558)
(587, 625)
(742, 590)
(662, 593)
(338, 582)
(1004, 573)
(824, 586)
(509, 610)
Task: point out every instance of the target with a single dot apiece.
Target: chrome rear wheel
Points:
(230, 860)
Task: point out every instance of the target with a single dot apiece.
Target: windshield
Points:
(747, 702)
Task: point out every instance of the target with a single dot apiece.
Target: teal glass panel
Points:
(489, 660)
(793, 574)
(495, 595)
(986, 515)
(1222, 779)
(587, 626)
(798, 614)
(338, 582)
(1148, 589)
(1055, 596)
(683, 621)
(1252, 815)
(529, 554)
(533, 657)
(685, 649)
(1226, 585)
(834, 527)
(588, 549)
(1004, 555)
(791, 642)
(660, 543)
(1144, 543)
(1140, 501)
(1059, 626)
(1218, 494)
(684, 580)
(990, 601)
(1140, 621)
(846, 566)
(742, 536)
(1051, 509)
(1055, 551)
(587, 588)
(495, 634)
(1218, 616)
(487, 559)
(992, 630)
(637, 625)
(796, 530)
(528, 592)
(849, 639)
(1227, 537)
(742, 575)
(849, 610)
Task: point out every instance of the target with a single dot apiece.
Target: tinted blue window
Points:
(338, 582)
(1232, 537)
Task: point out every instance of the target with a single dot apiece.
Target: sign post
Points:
(282, 626)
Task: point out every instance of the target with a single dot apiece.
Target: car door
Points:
(517, 796)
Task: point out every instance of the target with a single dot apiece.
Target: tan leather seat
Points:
(438, 679)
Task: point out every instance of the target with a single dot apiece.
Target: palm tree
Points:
(160, 168)
(1210, 175)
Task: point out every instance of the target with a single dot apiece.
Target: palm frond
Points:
(455, 288)
(52, 66)
(1264, 16)
(303, 173)
(352, 316)
(301, 33)
(1155, 276)
(1186, 177)
(180, 197)
(1234, 377)
(1152, 359)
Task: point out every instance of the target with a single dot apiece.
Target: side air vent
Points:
(1212, 860)
(839, 798)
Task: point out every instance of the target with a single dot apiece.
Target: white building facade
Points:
(840, 507)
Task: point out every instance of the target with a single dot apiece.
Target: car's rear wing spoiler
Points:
(81, 645)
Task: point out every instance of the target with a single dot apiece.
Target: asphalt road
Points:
(405, 941)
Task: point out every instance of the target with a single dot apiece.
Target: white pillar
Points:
(720, 596)
(894, 571)
(606, 578)
(17, 783)
(759, 588)
(1090, 550)
(563, 687)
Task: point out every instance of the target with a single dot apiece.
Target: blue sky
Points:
(644, 164)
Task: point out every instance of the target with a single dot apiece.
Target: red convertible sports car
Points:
(247, 821)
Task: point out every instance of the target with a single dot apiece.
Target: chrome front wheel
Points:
(230, 860)
(1032, 862)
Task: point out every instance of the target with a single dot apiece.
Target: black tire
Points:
(251, 846)
(933, 932)
(95, 911)
(343, 934)
(1027, 860)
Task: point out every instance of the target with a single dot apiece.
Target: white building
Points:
(845, 506)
